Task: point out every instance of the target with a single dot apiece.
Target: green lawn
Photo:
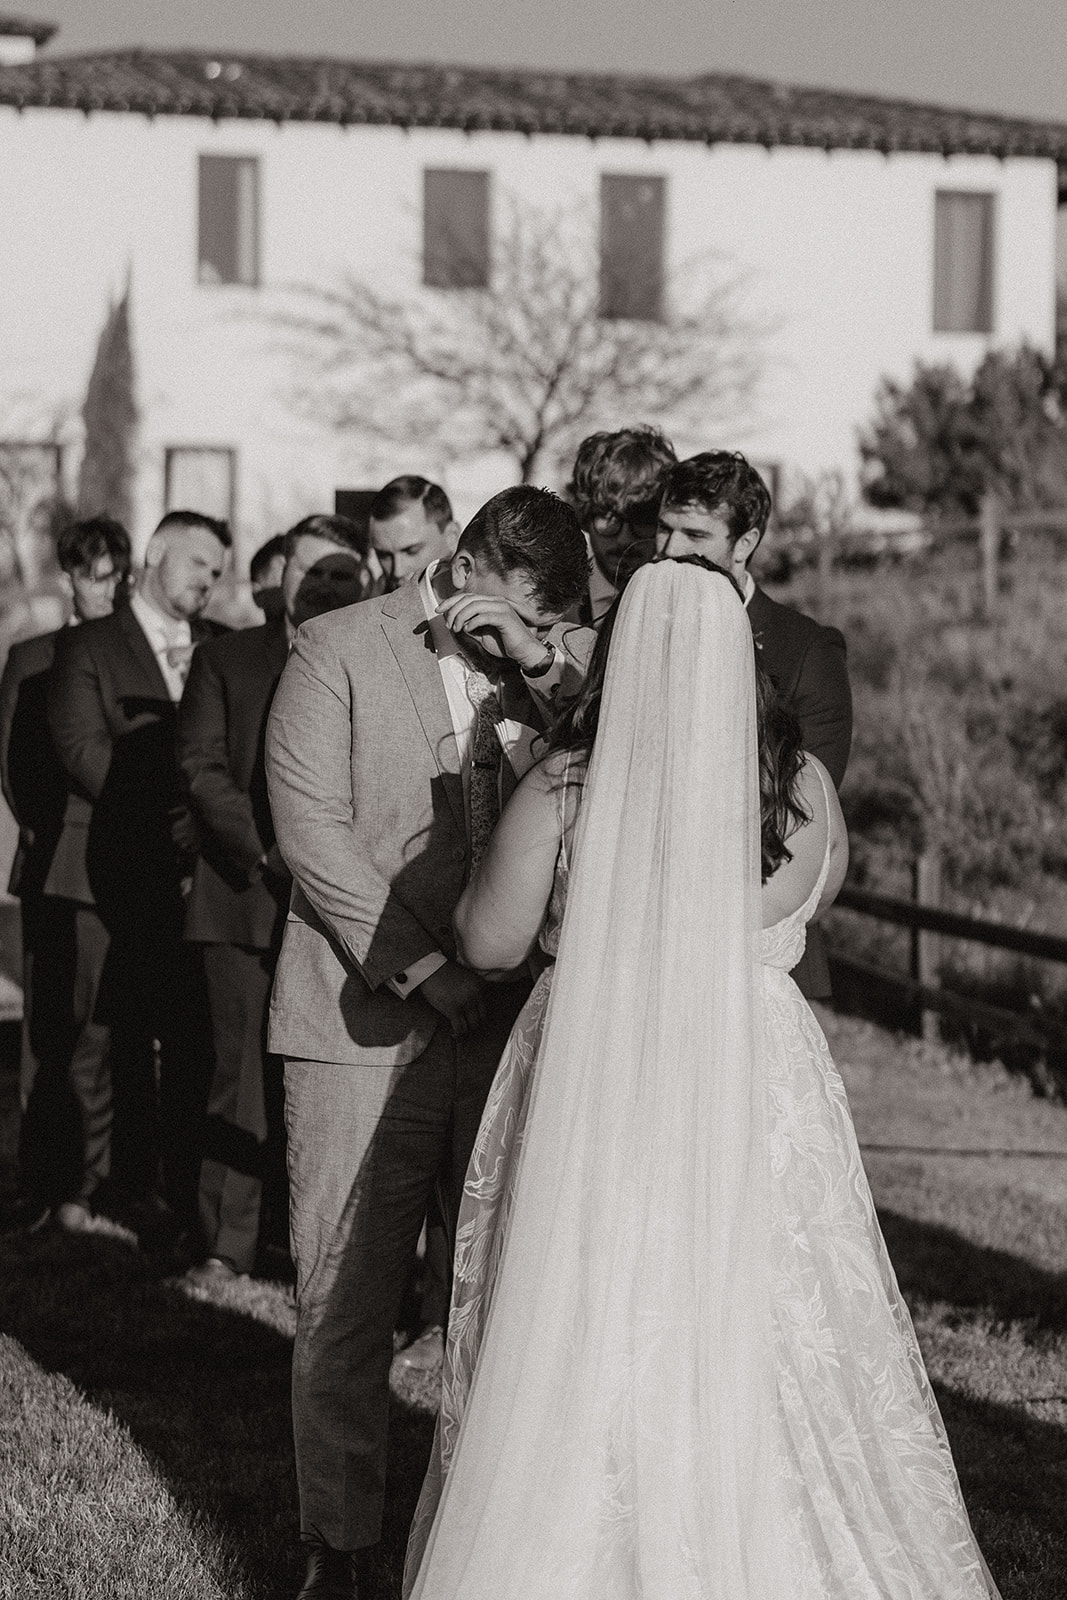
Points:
(144, 1432)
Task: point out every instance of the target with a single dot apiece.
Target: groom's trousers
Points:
(366, 1145)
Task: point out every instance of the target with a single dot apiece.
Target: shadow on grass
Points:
(939, 1264)
(202, 1389)
(1012, 1465)
(1013, 1472)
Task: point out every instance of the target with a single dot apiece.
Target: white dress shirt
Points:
(516, 739)
(164, 634)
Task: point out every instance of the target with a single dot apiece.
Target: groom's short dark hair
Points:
(533, 532)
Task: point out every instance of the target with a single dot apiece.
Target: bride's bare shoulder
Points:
(558, 768)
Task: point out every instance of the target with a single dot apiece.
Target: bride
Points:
(678, 1364)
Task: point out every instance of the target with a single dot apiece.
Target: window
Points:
(963, 262)
(200, 478)
(631, 247)
(455, 229)
(229, 219)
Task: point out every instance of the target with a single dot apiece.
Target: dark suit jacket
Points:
(367, 797)
(807, 662)
(113, 725)
(34, 782)
(222, 723)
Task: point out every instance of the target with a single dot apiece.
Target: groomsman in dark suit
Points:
(112, 711)
(716, 505)
(240, 893)
(64, 1086)
(615, 488)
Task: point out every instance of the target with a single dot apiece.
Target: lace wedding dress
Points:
(676, 1400)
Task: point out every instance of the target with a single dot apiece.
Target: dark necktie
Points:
(484, 793)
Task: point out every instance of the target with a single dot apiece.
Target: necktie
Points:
(485, 764)
(179, 657)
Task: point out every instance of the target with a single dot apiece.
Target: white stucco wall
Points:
(836, 251)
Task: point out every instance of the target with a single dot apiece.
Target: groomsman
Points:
(64, 1080)
(240, 893)
(716, 505)
(615, 488)
(397, 729)
(112, 711)
(265, 577)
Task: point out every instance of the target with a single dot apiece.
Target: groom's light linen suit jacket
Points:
(367, 798)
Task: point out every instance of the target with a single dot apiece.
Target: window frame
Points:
(941, 325)
(170, 451)
(238, 158)
(605, 308)
(431, 254)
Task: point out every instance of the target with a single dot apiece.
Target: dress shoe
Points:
(333, 1574)
(213, 1271)
(425, 1353)
(73, 1217)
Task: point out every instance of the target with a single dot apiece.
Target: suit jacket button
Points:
(459, 853)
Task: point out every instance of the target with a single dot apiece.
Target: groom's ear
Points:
(462, 569)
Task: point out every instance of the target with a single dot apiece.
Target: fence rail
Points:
(929, 923)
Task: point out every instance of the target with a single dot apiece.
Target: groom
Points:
(399, 727)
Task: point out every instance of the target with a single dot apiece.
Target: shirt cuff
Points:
(403, 983)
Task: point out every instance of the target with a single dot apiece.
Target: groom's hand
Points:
(458, 995)
(496, 626)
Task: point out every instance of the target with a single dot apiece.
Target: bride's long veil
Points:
(615, 1440)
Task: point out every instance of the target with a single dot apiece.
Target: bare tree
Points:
(527, 365)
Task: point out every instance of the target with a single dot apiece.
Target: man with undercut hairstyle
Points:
(716, 505)
(112, 710)
(411, 524)
(64, 1078)
(398, 728)
(615, 488)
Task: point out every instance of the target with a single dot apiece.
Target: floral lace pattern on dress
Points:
(860, 1449)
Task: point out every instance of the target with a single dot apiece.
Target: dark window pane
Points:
(631, 247)
(455, 229)
(963, 262)
(229, 219)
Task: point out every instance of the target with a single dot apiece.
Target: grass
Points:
(144, 1432)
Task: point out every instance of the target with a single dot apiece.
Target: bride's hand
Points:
(457, 994)
(496, 626)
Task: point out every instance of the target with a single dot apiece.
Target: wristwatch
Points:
(546, 666)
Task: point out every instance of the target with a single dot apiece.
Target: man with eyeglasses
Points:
(615, 488)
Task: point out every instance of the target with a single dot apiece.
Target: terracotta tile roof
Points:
(26, 28)
(710, 109)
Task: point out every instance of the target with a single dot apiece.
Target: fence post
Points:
(825, 547)
(925, 946)
(989, 550)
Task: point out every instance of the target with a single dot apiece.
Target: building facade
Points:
(862, 235)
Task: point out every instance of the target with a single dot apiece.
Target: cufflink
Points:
(401, 978)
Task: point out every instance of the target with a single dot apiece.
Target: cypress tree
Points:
(105, 482)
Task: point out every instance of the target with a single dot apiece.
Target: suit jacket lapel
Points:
(134, 636)
(407, 632)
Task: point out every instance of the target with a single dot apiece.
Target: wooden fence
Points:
(987, 531)
(929, 924)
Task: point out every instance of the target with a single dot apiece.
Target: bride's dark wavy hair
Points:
(781, 754)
